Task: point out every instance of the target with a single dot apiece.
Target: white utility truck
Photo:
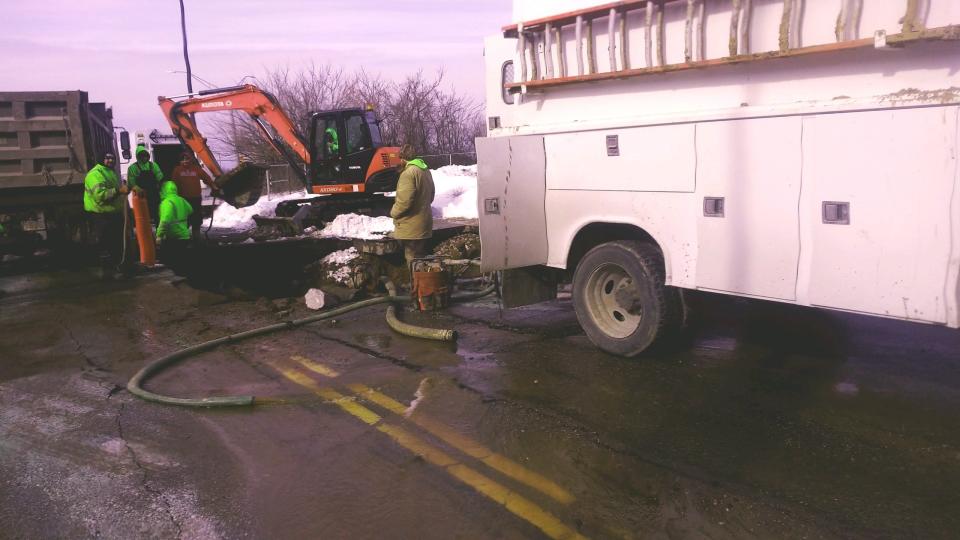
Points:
(801, 151)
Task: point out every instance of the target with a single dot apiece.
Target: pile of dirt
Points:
(461, 247)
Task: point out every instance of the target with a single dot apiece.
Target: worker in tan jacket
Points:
(411, 213)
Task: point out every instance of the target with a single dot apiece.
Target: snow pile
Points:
(357, 226)
(455, 197)
(341, 257)
(337, 265)
(456, 191)
(228, 217)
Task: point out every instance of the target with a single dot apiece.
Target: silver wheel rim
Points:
(606, 289)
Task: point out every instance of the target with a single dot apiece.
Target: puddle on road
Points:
(379, 341)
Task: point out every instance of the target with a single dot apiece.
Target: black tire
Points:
(621, 300)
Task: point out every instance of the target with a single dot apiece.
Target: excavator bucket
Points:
(242, 186)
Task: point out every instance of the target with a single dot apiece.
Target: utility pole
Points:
(186, 54)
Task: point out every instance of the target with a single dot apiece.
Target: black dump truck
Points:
(48, 141)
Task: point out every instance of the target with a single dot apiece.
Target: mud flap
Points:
(528, 285)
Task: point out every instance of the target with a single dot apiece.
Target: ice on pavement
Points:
(455, 197)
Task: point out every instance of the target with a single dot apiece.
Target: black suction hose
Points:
(135, 386)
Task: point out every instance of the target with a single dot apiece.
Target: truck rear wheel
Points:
(621, 299)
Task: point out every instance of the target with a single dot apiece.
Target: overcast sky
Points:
(122, 52)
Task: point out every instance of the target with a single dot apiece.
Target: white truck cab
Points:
(801, 151)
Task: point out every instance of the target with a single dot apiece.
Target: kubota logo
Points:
(213, 104)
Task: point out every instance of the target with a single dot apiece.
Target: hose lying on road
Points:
(406, 329)
(135, 386)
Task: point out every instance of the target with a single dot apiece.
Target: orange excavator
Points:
(344, 157)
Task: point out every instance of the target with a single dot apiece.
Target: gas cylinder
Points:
(141, 219)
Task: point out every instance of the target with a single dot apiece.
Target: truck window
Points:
(374, 128)
(358, 138)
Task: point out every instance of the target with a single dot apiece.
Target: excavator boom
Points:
(262, 108)
(350, 158)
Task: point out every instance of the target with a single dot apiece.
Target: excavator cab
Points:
(347, 149)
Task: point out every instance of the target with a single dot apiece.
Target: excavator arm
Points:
(241, 186)
(263, 109)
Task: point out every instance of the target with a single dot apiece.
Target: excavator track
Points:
(295, 215)
(326, 208)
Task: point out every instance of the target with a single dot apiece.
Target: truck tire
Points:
(621, 299)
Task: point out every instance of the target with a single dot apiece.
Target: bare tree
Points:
(416, 110)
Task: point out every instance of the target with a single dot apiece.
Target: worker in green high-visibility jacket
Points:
(333, 142)
(173, 231)
(146, 176)
(103, 203)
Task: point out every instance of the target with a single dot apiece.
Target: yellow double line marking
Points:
(511, 500)
(315, 366)
(495, 461)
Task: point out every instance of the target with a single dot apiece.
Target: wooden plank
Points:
(746, 14)
(611, 42)
(648, 35)
(534, 44)
(591, 56)
(785, 23)
(624, 43)
(701, 37)
(562, 55)
(661, 35)
(735, 28)
(857, 10)
(945, 33)
(579, 38)
(911, 22)
(523, 55)
(548, 50)
(841, 28)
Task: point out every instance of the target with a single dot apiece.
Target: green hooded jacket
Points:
(174, 211)
(100, 191)
(411, 212)
(333, 141)
(135, 171)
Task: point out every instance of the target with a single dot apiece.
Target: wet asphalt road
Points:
(767, 421)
